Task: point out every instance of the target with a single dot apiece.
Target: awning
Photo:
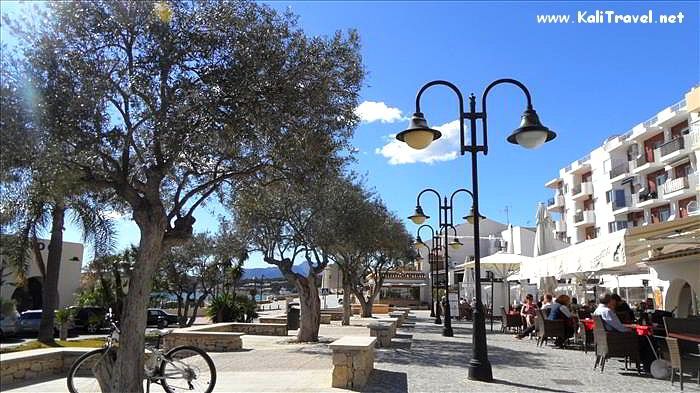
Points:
(602, 254)
(501, 264)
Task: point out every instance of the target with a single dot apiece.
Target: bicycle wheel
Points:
(188, 369)
(81, 376)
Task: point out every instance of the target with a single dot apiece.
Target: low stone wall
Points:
(336, 314)
(376, 308)
(278, 320)
(326, 319)
(37, 363)
(206, 340)
(260, 329)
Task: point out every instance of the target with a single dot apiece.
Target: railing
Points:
(678, 106)
(618, 225)
(671, 146)
(629, 201)
(550, 201)
(576, 190)
(586, 215)
(405, 276)
(620, 170)
(692, 139)
(650, 122)
(675, 185)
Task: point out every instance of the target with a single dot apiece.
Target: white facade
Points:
(647, 175)
(68, 279)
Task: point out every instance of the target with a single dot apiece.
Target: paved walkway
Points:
(433, 363)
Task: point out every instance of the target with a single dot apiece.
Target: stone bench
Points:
(400, 317)
(259, 329)
(382, 331)
(376, 309)
(392, 322)
(353, 361)
(326, 319)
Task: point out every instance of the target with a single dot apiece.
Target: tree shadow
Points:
(386, 381)
(524, 386)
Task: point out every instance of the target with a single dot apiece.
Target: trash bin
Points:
(293, 312)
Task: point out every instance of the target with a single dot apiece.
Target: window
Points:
(660, 214)
(683, 206)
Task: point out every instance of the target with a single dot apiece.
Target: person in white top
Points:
(606, 311)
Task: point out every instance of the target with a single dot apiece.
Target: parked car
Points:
(89, 319)
(9, 324)
(30, 320)
(160, 318)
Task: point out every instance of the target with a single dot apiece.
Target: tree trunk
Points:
(53, 265)
(128, 368)
(347, 306)
(199, 302)
(310, 310)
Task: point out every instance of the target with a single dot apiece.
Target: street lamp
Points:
(445, 223)
(432, 256)
(530, 134)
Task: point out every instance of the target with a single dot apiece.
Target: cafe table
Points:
(645, 331)
(686, 337)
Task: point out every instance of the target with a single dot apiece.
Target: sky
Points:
(588, 82)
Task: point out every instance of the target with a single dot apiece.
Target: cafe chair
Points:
(547, 329)
(614, 345)
(681, 361)
(510, 322)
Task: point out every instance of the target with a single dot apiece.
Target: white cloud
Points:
(113, 215)
(444, 149)
(371, 111)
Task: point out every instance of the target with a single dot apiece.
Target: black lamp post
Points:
(445, 222)
(530, 134)
(432, 259)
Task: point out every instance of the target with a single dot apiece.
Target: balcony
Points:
(584, 218)
(619, 171)
(560, 226)
(618, 226)
(629, 204)
(680, 187)
(582, 190)
(671, 149)
(556, 203)
(641, 164)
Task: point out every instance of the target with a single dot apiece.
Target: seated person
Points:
(606, 312)
(528, 312)
(612, 323)
(624, 311)
(560, 311)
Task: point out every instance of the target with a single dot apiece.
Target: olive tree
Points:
(181, 101)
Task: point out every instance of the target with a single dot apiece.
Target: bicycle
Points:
(182, 368)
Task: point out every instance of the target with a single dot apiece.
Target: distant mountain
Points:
(266, 272)
(273, 271)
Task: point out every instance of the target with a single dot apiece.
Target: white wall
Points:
(69, 273)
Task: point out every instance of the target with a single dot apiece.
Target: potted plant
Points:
(63, 318)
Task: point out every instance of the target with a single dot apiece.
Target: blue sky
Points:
(587, 81)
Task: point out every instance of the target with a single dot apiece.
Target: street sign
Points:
(325, 291)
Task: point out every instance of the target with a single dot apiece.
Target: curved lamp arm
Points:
(483, 104)
(437, 194)
(453, 196)
(459, 97)
(432, 230)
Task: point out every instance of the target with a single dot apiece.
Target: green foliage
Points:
(64, 316)
(232, 308)
(7, 306)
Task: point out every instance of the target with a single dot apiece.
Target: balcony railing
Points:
(671, 146)
(629, 201)
(586, 215)
(550, 201)
(619, 170)
(417, 276)
(576, 190)
(675, 185)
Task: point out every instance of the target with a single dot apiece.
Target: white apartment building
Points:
(646, 175)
